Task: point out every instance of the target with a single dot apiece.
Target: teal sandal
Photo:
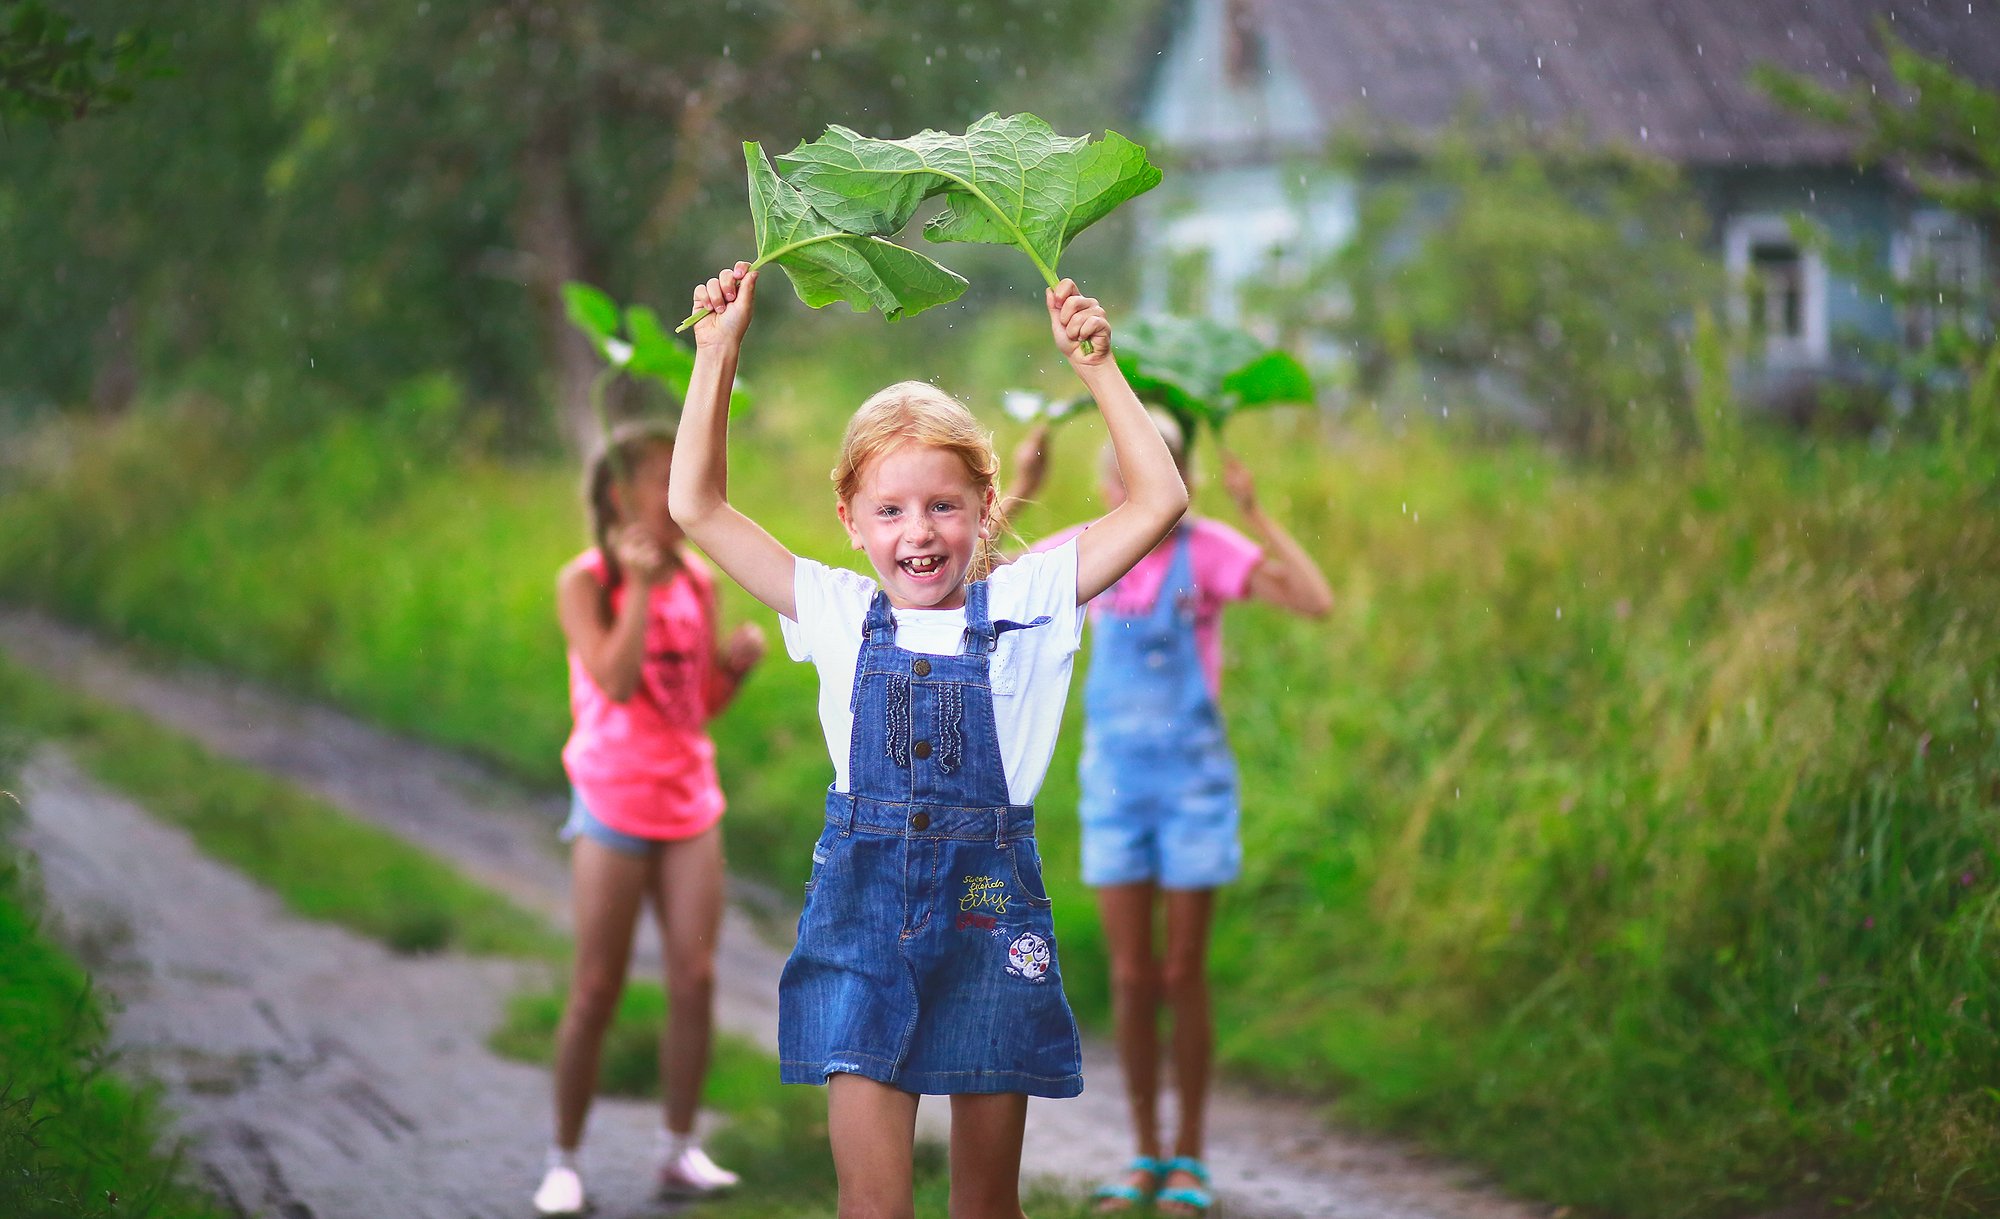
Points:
(1197, 1200)
(1131, 1195)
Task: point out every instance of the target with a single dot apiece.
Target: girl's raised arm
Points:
(698, 488)
(1155, 496)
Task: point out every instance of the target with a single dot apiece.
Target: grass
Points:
(1629, 831)
(323, 865)
(76, 1141)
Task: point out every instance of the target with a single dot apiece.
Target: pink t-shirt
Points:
(646, 766)
(1222, 560)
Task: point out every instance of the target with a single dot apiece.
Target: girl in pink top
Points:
(1159, 808)
(645, 677)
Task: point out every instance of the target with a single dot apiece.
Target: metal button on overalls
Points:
(922, 750)
(922, 668)
(921, 821)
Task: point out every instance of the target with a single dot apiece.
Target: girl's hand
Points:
(1236, 480)
(729, 299)
(642, 559)
(1074, 317)
(744, 649)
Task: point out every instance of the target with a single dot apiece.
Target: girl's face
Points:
(919, 516)
(642, 499)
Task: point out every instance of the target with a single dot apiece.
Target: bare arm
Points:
(1031, 464)
(1155, 497)
(611, 652)
(1287, 578)
(697, 492)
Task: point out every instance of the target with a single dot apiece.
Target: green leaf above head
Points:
(828, 263)
(634, 342)
(593, 312)
(1203, 372)
(1006, 181)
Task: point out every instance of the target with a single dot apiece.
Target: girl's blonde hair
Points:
(917, 412)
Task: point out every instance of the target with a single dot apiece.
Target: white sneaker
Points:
(692, 1174)
(561, 1192)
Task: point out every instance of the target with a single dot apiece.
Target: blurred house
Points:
(1245, 97)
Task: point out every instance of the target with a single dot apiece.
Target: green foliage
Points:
(1940, 125)
(1718, 418)
(1006, 181)
(1628, 830)
(632, 342)
(54, 70)
(1931, 129)
(76, 1142)
(827, 263)
(1199, 371)
(1204, 372)
(351, 194)
(1566, 280)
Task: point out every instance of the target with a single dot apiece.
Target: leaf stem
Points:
(773, 256)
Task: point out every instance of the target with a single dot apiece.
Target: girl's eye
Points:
(944, 506)
(885, 510)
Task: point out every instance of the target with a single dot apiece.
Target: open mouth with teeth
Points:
(922, 566)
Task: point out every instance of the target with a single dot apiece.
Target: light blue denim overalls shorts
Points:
(1159, 800)
(926, 956)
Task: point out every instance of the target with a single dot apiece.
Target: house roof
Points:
(1669, 77)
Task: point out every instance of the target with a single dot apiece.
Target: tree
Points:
(54, 70)
(359, 192)
(1570, 279)
(530, 143)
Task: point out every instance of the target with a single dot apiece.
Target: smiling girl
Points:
(926, 960)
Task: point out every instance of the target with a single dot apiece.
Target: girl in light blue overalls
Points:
(926, 960)
(1159, 805)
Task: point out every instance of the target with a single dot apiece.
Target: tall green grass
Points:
(77, 1141)
(1631, 832)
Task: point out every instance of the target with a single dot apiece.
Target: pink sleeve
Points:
(1224, 560)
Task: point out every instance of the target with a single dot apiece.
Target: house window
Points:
(1940, 260)
(1777, 288)
(1779, 298)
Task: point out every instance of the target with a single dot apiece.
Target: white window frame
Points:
(1742, 234)
(1904, 250)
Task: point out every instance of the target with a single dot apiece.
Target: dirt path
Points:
(319, 1075)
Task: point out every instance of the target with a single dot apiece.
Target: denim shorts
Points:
(583, 823)
(1165, 811)
(926, 956)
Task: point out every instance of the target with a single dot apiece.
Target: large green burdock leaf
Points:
(1205, 372)
(829, 263)
(1006, 181)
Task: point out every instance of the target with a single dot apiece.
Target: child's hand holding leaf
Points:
(725, 303)
(1082, 331)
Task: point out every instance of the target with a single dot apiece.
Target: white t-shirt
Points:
(1029, 674)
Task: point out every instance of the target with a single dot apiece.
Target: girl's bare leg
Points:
(986, 1133)
(1185, 977)
(606, 889)
(687, 888)
(873, 1129)
(1127, 914)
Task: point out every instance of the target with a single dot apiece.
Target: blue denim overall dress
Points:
(1159, 800)
(926, 956)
